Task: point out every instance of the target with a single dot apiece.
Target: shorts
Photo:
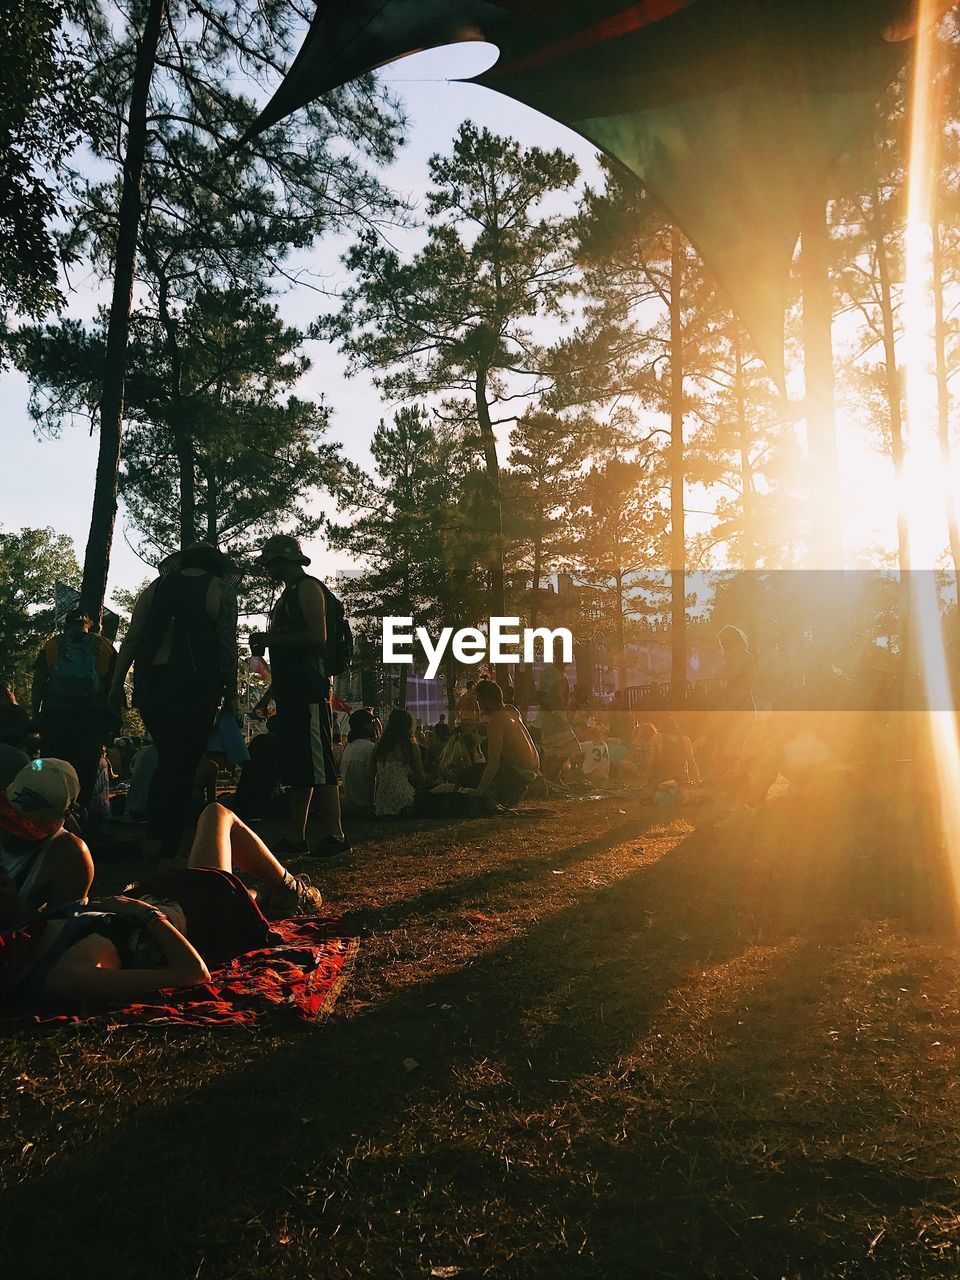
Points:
(222, 919)
(305, 733)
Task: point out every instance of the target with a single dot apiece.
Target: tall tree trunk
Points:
(678, 548)
(537, 570)
(891, 382)
(450, 677)
(826, 539)
(748, 538)
(492, 465)
(96, 561)
(212, 503)
(621, 633)
(943, 399)
(183, 442)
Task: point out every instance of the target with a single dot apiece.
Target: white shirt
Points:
(357, 772)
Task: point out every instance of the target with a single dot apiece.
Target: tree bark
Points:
(492, 466)
(183, 441)
(212, 503)
(826, 538)
(96, 562)
(621, 633)
(891, 381)
(678, 583)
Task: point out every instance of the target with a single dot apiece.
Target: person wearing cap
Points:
(301, 690)
(167, 932)
(182, 645)
(41, 863)
(71, 682)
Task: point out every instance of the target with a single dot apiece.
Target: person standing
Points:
(303, 634)
(71, 682)
(182, 645)
(468, 708)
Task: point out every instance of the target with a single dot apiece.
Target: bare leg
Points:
(300, 798)
(328, 798)
(225, 843)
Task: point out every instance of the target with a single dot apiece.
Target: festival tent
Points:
(729, 111)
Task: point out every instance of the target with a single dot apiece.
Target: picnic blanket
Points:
(297, 977)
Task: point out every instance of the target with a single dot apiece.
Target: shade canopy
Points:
(730, 112)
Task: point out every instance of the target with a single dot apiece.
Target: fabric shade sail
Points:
(730, 112)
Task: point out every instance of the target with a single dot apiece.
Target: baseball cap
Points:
(39, 798)
(282, 547)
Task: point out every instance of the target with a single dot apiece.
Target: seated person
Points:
(558, 742)
(163, 933)
(141, 775)
(399, 767)
(644, 750)
(439, 740)
(358, 767)
(43, 864)
(258, 792)
(673, 760)
(460, 756)
(512, 760)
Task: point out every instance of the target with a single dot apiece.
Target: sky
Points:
(46, 482)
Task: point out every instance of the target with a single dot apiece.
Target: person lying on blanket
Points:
(42, 864)
(167, 932)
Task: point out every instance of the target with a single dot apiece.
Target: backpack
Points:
(338, 654)
(74, 678)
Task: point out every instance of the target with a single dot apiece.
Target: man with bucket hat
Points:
(41, 863)
(301, 689)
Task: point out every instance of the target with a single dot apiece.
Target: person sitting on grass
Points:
(674, 759)
(167, 932)
(399, 767)
(358, 767)
(43, 863)
(512, 759)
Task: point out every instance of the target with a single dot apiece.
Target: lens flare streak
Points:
(925, 479)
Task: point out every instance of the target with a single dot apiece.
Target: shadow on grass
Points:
(323, 1156)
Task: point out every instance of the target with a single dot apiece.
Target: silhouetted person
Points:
(71, 682)
(182, 644)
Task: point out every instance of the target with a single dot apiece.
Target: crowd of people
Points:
(190, 909)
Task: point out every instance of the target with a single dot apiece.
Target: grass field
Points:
(600, 1042)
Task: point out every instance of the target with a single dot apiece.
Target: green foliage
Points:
(493, 261)
(407, 527)
(41, 113)
(31, 561)
(256, 452)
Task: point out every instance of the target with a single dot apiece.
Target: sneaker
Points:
(331, 847)
(299, 899)
(287, 848)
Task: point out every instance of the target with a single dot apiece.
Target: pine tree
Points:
(455, 318)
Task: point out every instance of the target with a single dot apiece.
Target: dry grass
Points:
(602, 1043)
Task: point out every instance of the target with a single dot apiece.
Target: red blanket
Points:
(298, 976)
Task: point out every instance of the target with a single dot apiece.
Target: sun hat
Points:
(39, 798)
(282, 547)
